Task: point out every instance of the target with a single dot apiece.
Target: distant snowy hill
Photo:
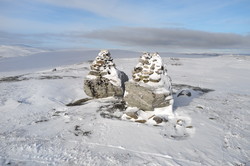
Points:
(17, 51)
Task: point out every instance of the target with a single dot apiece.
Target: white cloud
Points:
(22, 25)
(116, 9)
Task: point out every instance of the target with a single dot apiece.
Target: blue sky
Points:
(161, 24)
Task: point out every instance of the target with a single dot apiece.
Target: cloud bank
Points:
(171, 38)
(161, 39)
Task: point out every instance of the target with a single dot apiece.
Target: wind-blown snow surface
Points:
(36, 128)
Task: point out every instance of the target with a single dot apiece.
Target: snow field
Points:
(36, 128)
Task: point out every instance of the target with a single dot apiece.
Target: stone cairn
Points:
(149, 69)
(104, 80)
(150, 87)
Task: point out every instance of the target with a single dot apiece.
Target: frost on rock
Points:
(150, 87)
(104, 79)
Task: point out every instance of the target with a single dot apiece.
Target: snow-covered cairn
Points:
(104, 79)
(150, 86)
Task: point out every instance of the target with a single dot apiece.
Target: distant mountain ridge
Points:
(7, 51)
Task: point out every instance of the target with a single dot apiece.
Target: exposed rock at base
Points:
(158, 119)
(144, 98)
(79, 102)
(104, 80)
(141, 121)
(133, 115)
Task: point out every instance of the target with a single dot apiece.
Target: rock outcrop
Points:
(104, 80)
(150, 87)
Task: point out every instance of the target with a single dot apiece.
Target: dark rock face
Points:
(101, 87)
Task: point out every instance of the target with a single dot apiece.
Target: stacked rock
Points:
(102, 64)
(150, 87)
(104, 79)
(149, 68)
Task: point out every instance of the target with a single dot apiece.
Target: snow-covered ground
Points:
(211, 127)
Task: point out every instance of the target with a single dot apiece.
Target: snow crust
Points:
(36, 128)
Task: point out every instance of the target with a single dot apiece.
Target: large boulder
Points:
(150, 87)
(104, 80)
(145, 98)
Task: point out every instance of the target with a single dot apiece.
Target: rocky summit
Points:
(104, 80)
(150, 86)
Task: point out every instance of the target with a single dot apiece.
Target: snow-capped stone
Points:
(104, 79)
(150, 87)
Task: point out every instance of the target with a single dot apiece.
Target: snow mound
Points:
(37, 128)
